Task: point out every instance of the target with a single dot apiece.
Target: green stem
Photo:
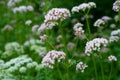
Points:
(63, 38)
(102, 70)
(88, 27)
(110, 72)
(50, 45)
(59, 72)
(76, 42)
(119, 16)
(93, 59)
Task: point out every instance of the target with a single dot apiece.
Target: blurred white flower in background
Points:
(112, 26)
(115, 36)
(23, 8)
(35, 28)
(106, 18)
(116, 18)
(78, 30)
(112, 58)
(28, 22)
(99, 23)
(81, 66)
(43, 37)
(12, 3)
(83, 7)
(116, 5)
(23, 70)
(7, 28)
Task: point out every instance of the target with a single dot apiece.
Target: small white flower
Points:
(114, 38)
(81, 66)
(23, 8)
(7, 27)
(51, 57)
(83, 7)
(12, 3)
(92, 4)
(106, 18)
(70, 46)
(22, 70)
(115, 35)
(112, 26)
(116, 5)
(34, 28)
(29, 65)
(28, 22)
(99, 23)
(115, 32)
(75, 9)
(116, 18)
(78, 31)
(59, 38)
(112, 58)
(30, 8)
(43, 37)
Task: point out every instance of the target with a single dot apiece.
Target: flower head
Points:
(99, 23)
(81, 66)
(112, 58)
(116, 5)
(51, 57)
(95, 45)
(83, 7)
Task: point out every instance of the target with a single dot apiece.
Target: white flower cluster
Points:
(48, 25)
(81, 66)
(78, 30)
(5, 75)
(115, 36)
(95, 45)
(7, 28)
(12, 3)
(99, 23)
(116, 18)
(43, 26)
(38, 49)
(51, 57)
(70, 46)
(22, 9)
(106, 18)
(21, 64)
(28, 22)
(53, 17)
(32, 42)
(36, 46)
(115, 33)
(112, 58)
(57, 14)
(1, 64)
(112, 26)
(116, 5)
(43, 37)
(12, 48)
(83, 7)
(35, 28)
